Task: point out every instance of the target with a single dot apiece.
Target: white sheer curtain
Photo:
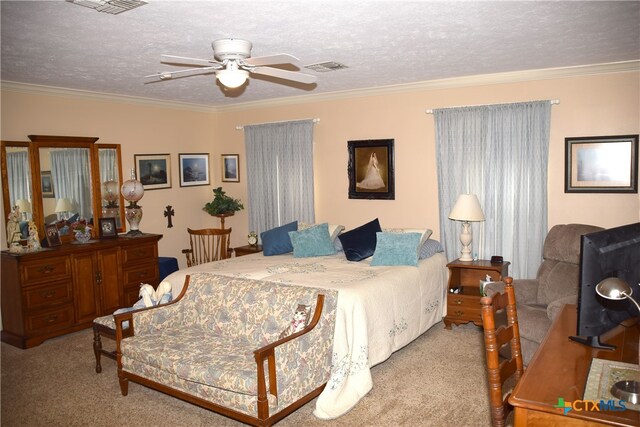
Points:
(18, 176)
(500, 154)
(108, 162)
(71, 176)
(280, 173)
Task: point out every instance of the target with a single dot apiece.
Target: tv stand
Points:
(593, 342)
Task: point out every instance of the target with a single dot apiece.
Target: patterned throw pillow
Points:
(396, 249)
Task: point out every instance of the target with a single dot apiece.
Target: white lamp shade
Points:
(64, 205)
(110, 191)
(132, 190)
(467, 208)
(24, 205)
(232, 78)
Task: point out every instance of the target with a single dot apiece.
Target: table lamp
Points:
(63, 206)
(25, 208)
(613, 288)
(132, 191)
(467, 209)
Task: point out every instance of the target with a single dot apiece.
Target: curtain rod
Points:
(316, 120)
(430, 111)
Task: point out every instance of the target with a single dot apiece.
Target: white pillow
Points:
(425, 232)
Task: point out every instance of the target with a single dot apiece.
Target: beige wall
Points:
(589, 105)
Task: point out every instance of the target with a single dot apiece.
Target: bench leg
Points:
(97, 348)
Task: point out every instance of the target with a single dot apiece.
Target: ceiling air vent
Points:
(325, 67)
(113, 7)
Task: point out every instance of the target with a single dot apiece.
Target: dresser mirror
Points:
(63, 179)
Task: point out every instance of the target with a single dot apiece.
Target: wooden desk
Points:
(559, 369)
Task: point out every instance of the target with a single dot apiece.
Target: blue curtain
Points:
(71, 175)
(500, 154)
(279, 173)
(18, 176)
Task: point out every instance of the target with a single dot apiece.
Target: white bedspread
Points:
(380, 310)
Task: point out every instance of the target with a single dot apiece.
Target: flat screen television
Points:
(608, 253)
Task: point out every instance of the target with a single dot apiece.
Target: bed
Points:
(380, 310)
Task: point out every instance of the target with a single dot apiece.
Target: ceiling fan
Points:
(232, 65)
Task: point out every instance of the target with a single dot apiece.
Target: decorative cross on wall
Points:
(169, 213)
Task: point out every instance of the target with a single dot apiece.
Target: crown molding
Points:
(476, 80)
(34, 89)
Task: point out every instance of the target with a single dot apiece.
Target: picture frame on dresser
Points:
(108, 229)
(154, 170)
(52, 235)
(371, 169)
(601, 164)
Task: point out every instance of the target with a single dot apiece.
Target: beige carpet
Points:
(438, 380)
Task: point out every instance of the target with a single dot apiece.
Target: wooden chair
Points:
(207, 245)
(494, 339)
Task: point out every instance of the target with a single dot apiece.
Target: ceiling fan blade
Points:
(284, 74)
(281, 58)
(168, 75)
(183, 60)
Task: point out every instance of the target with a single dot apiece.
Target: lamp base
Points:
(628, 391)
(465, 239)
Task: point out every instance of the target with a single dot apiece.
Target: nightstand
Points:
(247, 250)
(464, 277)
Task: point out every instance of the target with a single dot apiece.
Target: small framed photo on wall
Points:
(194, 169)
(154, 170)
(230, 168)
(108, 228)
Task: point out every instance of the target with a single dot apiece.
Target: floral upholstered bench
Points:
(223, 345)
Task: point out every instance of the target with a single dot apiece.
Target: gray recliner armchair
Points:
(539, 300)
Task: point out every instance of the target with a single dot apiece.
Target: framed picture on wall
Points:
(154, 170)
(47, 184)
(194, 169)
(230, 168)
(601, 164)
(370, 169)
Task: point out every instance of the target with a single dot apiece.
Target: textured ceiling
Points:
(59, 44)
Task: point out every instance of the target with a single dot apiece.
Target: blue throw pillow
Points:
(429, 248)
(313, 241)
(276, 241)
(360, 243)
(396, 249)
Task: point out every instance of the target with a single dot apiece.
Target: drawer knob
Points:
(51, 319)
(458, 301)
(46, 269)
(142, 274)
(48, 294)
(458, 312)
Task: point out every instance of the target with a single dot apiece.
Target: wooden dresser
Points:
(60, 290)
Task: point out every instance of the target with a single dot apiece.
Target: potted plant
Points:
(222, 205)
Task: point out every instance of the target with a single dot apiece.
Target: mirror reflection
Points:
(19, 188)
(66, 186)
(110, 184)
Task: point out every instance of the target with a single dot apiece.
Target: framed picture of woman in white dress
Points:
(371, 174)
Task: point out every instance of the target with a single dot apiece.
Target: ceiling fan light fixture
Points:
(232, 78)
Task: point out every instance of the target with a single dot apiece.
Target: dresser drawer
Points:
(464, 307)
(133, 254)
(42, 296)
(50, 321)
(144, 274)
(45, 270)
